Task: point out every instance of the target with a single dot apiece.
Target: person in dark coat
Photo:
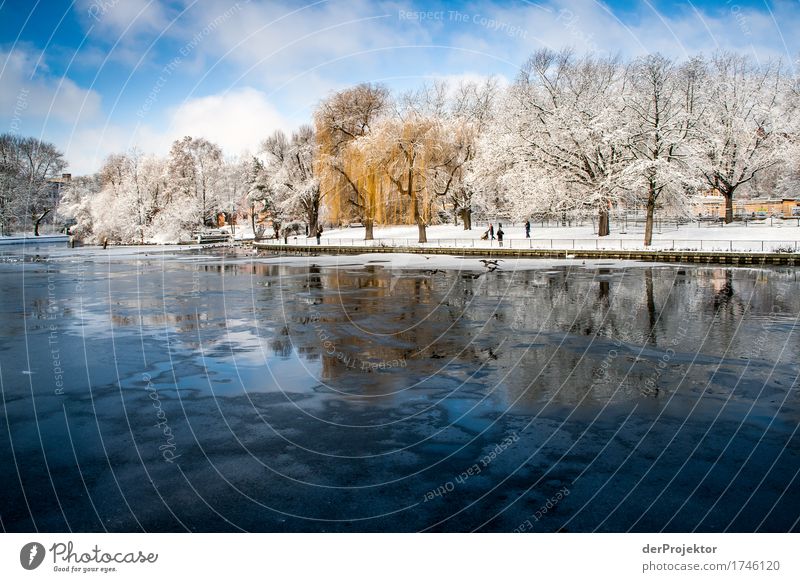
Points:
(527, 229)
(500, 234)
(319, 234)
(491, 231)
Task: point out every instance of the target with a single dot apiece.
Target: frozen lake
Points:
(164, 389)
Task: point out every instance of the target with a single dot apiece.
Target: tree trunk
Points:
(2, 215)
(203, 210)
(312, 224)
(603, 228)
(38, 221)
(253, 219)
(466, 218)
(423, 236)
(648, 225)
(369, 229)
(313, 217)
(728, 207)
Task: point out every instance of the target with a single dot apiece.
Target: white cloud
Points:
(115, 19)
(33, 97)
(237, 120)
(87, 147)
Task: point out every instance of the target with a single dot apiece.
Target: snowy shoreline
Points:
(754, 238)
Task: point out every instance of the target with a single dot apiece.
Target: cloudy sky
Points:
(98, 76)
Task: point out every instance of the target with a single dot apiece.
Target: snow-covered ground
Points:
(781, 235)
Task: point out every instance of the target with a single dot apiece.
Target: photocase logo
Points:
(31, 555)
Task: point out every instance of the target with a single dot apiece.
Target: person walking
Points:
(527, 229)
(491, 231)
(319, 235)
(500, 234)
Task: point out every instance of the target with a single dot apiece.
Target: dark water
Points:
(215, 393)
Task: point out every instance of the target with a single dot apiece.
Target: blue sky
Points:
(99, 76)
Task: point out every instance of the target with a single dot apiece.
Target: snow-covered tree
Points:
(27, 193)
(76, 203)
(472, 112)
(661, 114)
(10, 183)
(788, 181)
(144, 183)
(259, 195)
(121, 202)
(292, 176)
(233, 190)
(117, 209)
(788, 178)
(742, 129)
(559, 138)
(459, 114)
(194, 170)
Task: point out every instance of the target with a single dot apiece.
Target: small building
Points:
(57, 185)
(790, 208)
(764, 207)
(713, 206)
(708, 206)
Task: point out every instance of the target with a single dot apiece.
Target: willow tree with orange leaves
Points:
(421, 152)
(343, 121)
(401, 146)
(399, 161)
